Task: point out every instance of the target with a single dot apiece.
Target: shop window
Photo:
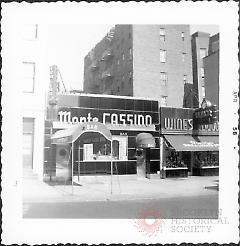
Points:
(174, 160)
(96, 148)
(120, 148)
(28, 75)
(206, 159)
(163, 56)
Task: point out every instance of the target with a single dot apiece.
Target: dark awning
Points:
(189, 143)
(71, 134)
(145, 140)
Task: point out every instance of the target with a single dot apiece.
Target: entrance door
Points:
(27, 150)
(27, 153)
(187, 159)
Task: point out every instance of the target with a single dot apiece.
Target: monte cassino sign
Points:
(76, 116)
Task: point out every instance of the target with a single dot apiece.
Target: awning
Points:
(189, 143)
(71, 134)
(145, 140)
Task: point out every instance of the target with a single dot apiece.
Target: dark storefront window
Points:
(206, 159)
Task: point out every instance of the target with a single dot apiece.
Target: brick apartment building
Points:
(150, 61)
(205, 63)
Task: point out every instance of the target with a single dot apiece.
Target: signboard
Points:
(176, 120)
(205, 115)
(78, 116)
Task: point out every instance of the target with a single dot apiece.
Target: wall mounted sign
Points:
(76, 116)
(176, 120)
(207, 114)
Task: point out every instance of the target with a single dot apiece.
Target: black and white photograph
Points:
(127, 123)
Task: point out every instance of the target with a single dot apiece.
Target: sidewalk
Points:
(36, 191)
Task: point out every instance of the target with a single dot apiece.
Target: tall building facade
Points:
(150, 61)
(33, 75)
(211, 68)
(200, 45)
(205, 63)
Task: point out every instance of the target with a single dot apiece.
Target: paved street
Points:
(193, 197)
(179, 207)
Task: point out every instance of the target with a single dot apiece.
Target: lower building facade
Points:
(188, 148)
(103, 135)
(134, 128)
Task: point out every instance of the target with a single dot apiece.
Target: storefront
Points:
(187, 150)
(127, 119)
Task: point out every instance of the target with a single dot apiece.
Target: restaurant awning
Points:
(189, 143)
(71, 134)
(145, 140)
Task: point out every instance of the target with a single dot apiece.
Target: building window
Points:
(182, 36)
(120, 147)
(163, 100)
(130, 80)
(183, 57)
(163, 55)
(28, 143)
(130, 53)
(30, 32)
(162, 34)
(28, 73)
(203, 91)
(202, 72)
(203, 53)
(163, 78)
(184, 79)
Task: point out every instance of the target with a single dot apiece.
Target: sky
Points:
(69, 44)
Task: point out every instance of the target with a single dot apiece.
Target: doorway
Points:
(27, 146)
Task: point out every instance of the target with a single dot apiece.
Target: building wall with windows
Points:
(200, 46)
(211, 67)
(34, 76)
(144, 61)
(161, 62)
(108, 66)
